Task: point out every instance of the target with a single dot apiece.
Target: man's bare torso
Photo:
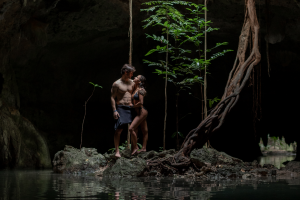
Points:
(123, 92)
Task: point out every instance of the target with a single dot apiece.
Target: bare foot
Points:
(118, 155)
(134, 151)
(142, 150)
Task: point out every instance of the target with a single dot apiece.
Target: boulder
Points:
(260, 171)
(127, 167)
(246, 176)
(147, 155)
(76, 161)
(207, 156)
(293, 166)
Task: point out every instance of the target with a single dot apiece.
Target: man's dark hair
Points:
(127, 68)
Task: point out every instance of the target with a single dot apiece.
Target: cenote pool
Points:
(43, 184)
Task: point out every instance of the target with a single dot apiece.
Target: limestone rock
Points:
(72, 160)
(260, 171)
(126, 153)
(147, 155)
(166, 152)
(127, 167)
(21, 144)
(246, 176)
(293, 166)
(207, 156)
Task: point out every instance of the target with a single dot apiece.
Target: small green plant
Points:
(123, 147)
(95, 85)
(212, 101)
(161, 149)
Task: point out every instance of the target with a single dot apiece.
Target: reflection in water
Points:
(37, 185)
(275, 160)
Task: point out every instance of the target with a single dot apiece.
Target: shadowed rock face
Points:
(126, 167)
(78, 161)
(203, 157)
(293, 166)
(50, 50)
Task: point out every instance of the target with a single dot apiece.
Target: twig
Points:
(95, 85)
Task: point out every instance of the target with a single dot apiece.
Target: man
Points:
(121, 101)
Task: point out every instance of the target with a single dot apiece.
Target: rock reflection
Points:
(275, 160)
(39, 185)
(18, 185)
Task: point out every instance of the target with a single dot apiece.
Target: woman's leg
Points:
(133, 127)
(144, 128)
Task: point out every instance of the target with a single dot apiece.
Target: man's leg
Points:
(117, 141)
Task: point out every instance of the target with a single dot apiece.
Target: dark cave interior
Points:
(1, 83)
(54, 54)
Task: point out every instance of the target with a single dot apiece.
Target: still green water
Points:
(43, 184)
(275, 160)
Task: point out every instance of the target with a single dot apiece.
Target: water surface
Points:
(39, 185)
(275, 160)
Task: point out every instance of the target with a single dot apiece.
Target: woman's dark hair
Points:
(127, 68)
(143, 82)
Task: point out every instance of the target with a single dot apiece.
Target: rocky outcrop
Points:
(127, 167)
(207, 157)
(293, 166)
(21, 144)
(78, 161)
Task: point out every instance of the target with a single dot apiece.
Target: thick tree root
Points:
(237, 80)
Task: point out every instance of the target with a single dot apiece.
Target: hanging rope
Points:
(267, 40)
(130, 57)
(205, 81)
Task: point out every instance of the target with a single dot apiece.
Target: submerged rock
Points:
(72, 160)
(127, 167)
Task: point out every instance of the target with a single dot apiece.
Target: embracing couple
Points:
(127, 101)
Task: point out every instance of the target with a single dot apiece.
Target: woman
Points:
(141, 114)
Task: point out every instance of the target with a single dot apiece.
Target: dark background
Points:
(54, 55)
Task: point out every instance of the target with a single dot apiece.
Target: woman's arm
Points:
(141, 100)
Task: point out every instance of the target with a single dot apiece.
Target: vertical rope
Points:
(166, 82)
(205, 81)
(130, 57)
(267, 41)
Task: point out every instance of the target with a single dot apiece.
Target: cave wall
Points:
(51, 50)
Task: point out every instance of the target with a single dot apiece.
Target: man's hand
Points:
(116, 115)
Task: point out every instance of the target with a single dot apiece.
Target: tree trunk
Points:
(237, 80)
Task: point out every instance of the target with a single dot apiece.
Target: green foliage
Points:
(95, 85)
(183, 70)
(212, 101)
(179, 133)
(161, 149)
(123, 146)
(186, 63)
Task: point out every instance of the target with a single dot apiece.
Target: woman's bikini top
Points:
(136, 95)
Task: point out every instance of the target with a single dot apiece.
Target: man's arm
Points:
(113, 95)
